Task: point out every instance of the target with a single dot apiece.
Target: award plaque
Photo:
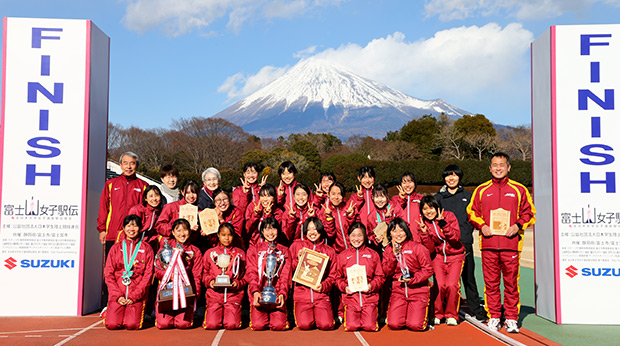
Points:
(165, 297)
(381, 231)
(310, 268)
(189, 212)
(500, 221)
(209, 221)
(356, 278)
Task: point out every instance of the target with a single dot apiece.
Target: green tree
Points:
(309, 151)
(424, 133)
(475, 124)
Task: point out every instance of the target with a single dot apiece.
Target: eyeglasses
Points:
(220, 200)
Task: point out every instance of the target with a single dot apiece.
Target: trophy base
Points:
(268, 297)
(222, 281)
(165, 297)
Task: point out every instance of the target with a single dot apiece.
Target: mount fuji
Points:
(316, 96)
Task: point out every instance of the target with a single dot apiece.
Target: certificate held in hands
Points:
(209, 221)
(310, 268)
(500, 221)
(357, 279)
(189, 212)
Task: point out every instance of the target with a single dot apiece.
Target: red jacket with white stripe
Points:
(446, 235)
(303, 293)
(369, 258)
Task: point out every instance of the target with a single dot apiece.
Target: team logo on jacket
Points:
(510, 194)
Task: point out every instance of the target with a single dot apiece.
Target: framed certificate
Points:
(189, 212)
(500, 221)
(356, 278)
(209, 221)
(310, 268)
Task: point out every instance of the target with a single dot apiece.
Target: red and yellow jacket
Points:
(508, 195)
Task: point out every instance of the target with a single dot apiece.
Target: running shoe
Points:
(494, 324)
(511, 326)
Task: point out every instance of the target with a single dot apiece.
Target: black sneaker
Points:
(481, 316)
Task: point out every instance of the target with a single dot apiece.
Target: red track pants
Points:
(319, 313)
(124, 316)
(448, 276)
(220, 314)
(408, 311)
(496, 264)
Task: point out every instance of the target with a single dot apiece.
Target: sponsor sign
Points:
(575, 121)
(44, 151)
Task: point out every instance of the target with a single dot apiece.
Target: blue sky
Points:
(173, 59)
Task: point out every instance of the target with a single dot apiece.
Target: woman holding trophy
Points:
(128, 272)
(448, 257)
(224, 268)
(180, 279)
(314, 277)
(360, 277)
(408, 263)
(268, 273)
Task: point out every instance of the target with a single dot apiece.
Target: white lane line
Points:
(79, 333)
(39, 331)
(218, 337)
(32, 336)
(361, 339)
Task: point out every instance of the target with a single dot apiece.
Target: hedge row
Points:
(427, 172)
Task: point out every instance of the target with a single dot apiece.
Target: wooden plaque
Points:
(356, 278)
(209, 221)
(381, 230)
(189, 212)
(310, 268)
(500, 221)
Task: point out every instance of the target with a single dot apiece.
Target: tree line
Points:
(196, 143)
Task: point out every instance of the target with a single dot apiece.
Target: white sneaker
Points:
(102, 314)
(493, 324)
(436, 321)
(511, 326)
(451, 321)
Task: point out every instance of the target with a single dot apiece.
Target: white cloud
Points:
(177, 17)
(239, 85)
(305, 53)
(521, 9)
(453, 63)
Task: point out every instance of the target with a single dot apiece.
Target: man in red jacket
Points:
(118, 196)
(501, 252)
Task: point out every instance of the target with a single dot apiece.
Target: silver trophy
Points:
(268, 296)
(398, 248)
(222, 280)
(164, 255)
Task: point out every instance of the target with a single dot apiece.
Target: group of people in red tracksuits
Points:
(413, 250)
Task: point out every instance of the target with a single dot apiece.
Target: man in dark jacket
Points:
(454, 198)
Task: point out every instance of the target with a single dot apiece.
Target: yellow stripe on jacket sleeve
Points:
(477, 195)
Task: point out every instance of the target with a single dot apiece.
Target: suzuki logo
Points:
(571, 271)
(10, 263)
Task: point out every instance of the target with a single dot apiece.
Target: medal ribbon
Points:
(176, 270)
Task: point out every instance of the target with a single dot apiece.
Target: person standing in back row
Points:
(508, 205)
(453, 197)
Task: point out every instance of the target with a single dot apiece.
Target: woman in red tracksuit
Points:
(408, 263)
(313, 307)
(224, 303)
(363, 198)
(170, 212)
(360, 308)
(408, 200)
(381, 211)
(192, 261)
(294, 218)
(264, 316)
(449, 254)
(149, 212)
(287, 172)
(228, 213)
(258, 211)
(337, 216)
(128, 277)
(322, 190)
(248, 191)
